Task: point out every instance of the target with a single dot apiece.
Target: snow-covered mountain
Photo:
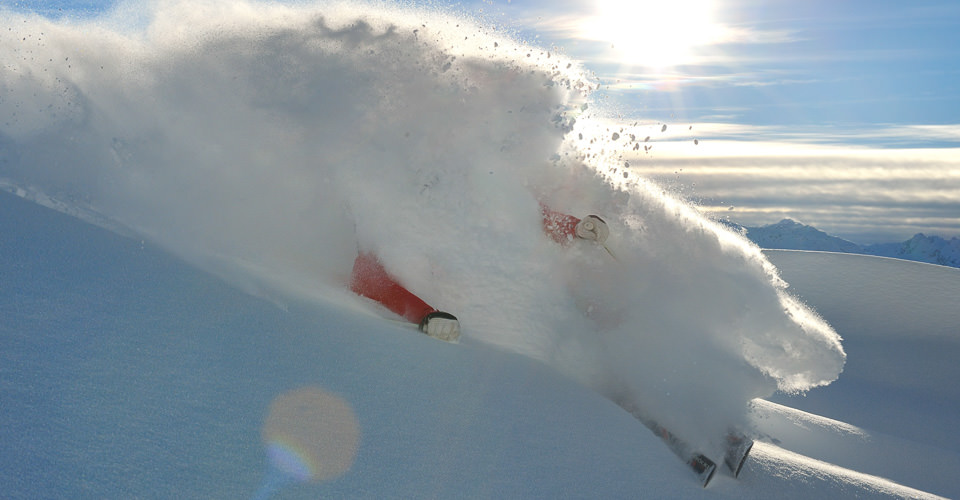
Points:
(921, 248)
(790, 235)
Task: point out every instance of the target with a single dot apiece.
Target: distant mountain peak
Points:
(789, 223)
(922, 248)
(792, 235)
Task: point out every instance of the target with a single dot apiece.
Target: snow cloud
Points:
(270, 143)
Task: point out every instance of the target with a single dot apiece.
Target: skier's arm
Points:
(559, 226)
(564, 228)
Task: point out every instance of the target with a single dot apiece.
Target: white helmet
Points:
(592, 228)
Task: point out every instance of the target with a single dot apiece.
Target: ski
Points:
(701, 465)
(738, 448)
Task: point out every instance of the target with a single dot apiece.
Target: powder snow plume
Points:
(268, 143)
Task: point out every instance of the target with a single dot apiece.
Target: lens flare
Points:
(310, 435)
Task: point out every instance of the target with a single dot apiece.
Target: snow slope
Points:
(126, 373)
(905, 311)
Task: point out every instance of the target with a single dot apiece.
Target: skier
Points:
(370, 279)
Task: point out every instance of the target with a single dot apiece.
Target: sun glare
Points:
(655, 33)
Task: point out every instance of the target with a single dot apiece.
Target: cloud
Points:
(928, 132)
(630, 79)
(866, 194)
(819, 139)
(569, 25)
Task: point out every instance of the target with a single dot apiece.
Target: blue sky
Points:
(863, 95)
(838, 66)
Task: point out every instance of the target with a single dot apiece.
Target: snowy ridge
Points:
(73, 208)
(882, 456)
(821, 476)
(921, 248)
(791, 235)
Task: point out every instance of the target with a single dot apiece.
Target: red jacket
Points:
(370, 279)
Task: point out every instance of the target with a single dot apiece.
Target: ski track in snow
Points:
(849, 447)
(267, 143)
(807, 475)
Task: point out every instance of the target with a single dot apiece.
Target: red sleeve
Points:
(371, 280)
(559, 226)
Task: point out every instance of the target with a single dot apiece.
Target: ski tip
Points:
(705, 480)
(737, 455)
(704, 467)
(743, 460)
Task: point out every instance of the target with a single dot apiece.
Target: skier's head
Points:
(593, 228)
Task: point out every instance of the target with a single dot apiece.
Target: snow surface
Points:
(264, 145)
(905, 311)
(128, 374)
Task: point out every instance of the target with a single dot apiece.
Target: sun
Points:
(654, 33)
